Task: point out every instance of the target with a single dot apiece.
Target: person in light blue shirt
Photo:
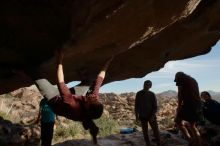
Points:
(47, 118)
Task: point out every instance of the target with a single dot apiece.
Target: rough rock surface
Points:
(134, 139)
(143, 36)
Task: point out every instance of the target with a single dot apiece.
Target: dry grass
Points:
(4, 110)
(72, 130)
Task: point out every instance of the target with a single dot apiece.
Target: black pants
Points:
(46, 133)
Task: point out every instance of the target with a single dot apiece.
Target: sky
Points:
(204, 68)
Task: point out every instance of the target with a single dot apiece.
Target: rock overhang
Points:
(142, 35)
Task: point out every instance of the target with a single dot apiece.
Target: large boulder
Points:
(142, 35)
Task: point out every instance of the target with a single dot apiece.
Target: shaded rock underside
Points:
(142, 35)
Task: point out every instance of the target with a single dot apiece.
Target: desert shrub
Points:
(4, 115)
(72, 129)
(60, 132)
(167, 122)
(107, 125)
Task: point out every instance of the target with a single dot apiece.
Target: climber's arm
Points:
(59, 59)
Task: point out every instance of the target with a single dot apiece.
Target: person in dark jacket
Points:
(189, 107)
(211, 108)
(145, 111)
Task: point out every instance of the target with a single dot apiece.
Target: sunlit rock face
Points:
(142, 35)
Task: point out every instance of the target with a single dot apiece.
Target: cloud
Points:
(158, 75)
(189, 66)
(164, 85)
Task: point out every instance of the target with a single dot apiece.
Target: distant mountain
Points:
(169, 93)
(172, 93)
(215, 95)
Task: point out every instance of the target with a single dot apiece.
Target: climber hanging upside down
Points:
(77, 108)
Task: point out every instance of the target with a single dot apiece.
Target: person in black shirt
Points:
(211, 108)
(189, 109)
(145, 111)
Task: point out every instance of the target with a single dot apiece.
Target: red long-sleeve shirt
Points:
(70, 105)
